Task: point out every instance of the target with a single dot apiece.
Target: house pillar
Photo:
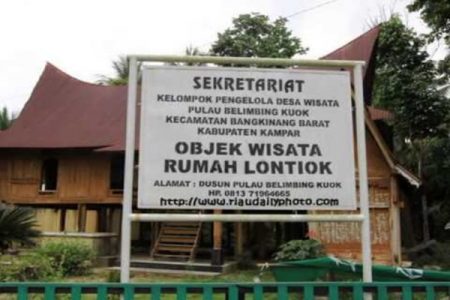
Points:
(395, 221)
(81, 217)
(216, 255)
(62, 220)
(239, 239)
(102, 219)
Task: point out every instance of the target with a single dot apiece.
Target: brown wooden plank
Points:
(177, 240)
(173, 248)
(179, 231)
(181, 224)
(168, 239)
(82, 217)
(171, 255)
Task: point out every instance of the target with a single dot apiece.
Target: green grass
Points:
(102, 275)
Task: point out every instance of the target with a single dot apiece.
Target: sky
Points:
(82, 37)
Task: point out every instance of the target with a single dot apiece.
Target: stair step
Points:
(173, 248)
(171, 255)
(176, 245)
(181, 236)
(181, 224)
(177, 239)
(179, 231)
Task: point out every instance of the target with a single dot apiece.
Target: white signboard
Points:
(239, 138)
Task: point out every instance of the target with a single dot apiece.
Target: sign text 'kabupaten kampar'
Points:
(227, 138)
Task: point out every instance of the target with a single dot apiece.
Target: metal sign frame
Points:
(127, 216)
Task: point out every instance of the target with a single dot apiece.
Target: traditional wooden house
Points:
(384, 173)
(64, 155)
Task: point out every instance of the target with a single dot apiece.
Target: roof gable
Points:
(64, 112)
(362, 48)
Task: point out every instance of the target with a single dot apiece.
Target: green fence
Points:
(228, 291)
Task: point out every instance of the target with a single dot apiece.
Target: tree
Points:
(5, 119)
(17, 224)
(253, 35)
(121, 68)
(436, 13)
(405, 82)
(190, 51)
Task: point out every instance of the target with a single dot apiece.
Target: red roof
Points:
(361, 48)
(64, 112)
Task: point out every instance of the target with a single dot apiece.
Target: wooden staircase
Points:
(177, 241)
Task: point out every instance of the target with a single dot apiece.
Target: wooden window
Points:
(116, 177)
(49, 175)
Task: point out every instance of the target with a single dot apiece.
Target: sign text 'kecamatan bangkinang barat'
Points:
(239, 138)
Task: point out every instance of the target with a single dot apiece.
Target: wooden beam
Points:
(62, 220)
(81, 217)
(216, 256)
(154, 233)
(239, 239)
(379, 140)
(102, 219)
(394, 216)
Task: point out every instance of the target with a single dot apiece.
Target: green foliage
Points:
(5, 119)
(253, 35)
(113, 276)
(436, 13)
(439, 166)
(121, 69)
(31, 267)
(17, 225)
(405, 83)
(300, 249)
(437, 256)
(190, 51)
(50, 261)
(436, 172)
(68, 257)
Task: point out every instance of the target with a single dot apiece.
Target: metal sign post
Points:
(127, 205)
(128, 217)
(362, 170)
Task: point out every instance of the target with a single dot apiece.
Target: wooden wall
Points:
(343, 239)
(377, 166)
(4, 177)
(83, 177)
(83, 189)
(49, 220)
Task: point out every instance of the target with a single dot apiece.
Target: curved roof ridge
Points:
(375, 30)
(362, 48)
(65, 112)
(51, 68)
